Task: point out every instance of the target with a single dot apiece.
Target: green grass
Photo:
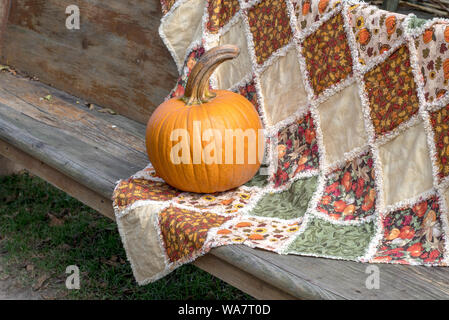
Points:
(42, 227)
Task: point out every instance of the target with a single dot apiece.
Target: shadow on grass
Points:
(43, 230)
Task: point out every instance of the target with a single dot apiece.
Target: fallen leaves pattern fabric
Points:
(440, 125)
(327, 54)
(184, 232)
(132, 190)
(220, 12)
(270, 27)
(300, 202)
(391, 91)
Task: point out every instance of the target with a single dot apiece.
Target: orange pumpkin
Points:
(322, 5)
(446, 34)
(207, 140)
(427, 35)
(390, 23)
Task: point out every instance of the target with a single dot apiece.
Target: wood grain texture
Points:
(80, 144)
(116, 59)
(89, 197)
(9, 167)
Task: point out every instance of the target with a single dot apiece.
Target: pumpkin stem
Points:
(197, 88)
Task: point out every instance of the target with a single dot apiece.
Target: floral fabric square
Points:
(391, 92)
(249, 92)
(440, 125)
(350, 192)
(413, 235)
(220, 12)
(433, 57)
(328, 55)
(184, 231)
(297, 150)
(376, 31)
(270, 26)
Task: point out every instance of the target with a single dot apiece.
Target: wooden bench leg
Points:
(8, 167)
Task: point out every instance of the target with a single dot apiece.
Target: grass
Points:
(43, 230)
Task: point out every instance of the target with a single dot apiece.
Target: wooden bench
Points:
(117, 61)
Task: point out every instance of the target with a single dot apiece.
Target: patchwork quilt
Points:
(355, 106)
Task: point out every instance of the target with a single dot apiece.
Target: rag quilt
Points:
(355, 106)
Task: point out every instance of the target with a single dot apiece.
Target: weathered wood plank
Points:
(116, 59)
(58, 179)
(241, 279)
(9, 167)
(52, 135)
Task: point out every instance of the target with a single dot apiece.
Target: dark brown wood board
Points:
(85, 148)
(116, 59)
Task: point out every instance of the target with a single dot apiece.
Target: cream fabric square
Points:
(282, 88)
(406, 165)
(183, 27)
(342, 123)
(232, 72)
(142, 243)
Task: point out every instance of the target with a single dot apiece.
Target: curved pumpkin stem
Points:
(197, 88)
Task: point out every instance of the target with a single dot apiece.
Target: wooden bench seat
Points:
(84, 152)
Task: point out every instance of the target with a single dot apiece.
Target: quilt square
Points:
(433, 57)
(258, 232)
(309, 12)
(288, 204)
(269, 23)
(283, 88)
(413, 235)
(342, 123)
(132, 190)
(297, 150)
(184, 231)
(406, 165)
(350, 192)
(249, 92)
(182, 27)
(391, 92)
(376, 31)
(328, 55)
(328, 239)
(221, 202)
(232, 72)
(220, 12)
(440, 125)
